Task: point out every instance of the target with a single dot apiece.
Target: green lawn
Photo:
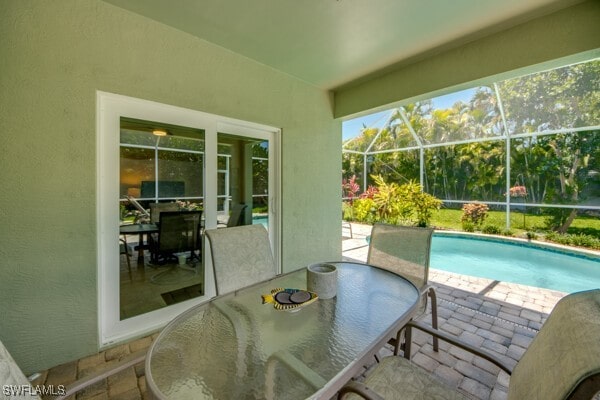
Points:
(451, 219)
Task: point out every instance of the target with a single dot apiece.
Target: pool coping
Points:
(555, 247)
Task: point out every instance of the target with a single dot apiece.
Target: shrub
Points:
(369, 193)
(401, 204)
(475, 213)
(468, 226)
(491, 230)
(574, 240)
(423, 204)
(508, 232)
(347, 211)
(388, 202)
(531, 235)
(364, 210)
(261, 210)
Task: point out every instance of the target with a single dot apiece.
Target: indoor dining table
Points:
(236, 347)
(141, 230)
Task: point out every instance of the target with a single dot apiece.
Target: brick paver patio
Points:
(497, 316)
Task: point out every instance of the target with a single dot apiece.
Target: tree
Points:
(555, 168)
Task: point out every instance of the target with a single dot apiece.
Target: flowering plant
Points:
(138, 217)
(474, 213)
(188, 205)
(518, 191)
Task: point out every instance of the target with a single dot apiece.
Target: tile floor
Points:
(145, 287)
(497, 316)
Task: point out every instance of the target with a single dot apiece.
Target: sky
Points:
(351, 128)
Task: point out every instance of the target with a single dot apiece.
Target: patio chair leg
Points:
(126, 252)
(398, 343)
(434, 316)
(407, 341)
(349, 228)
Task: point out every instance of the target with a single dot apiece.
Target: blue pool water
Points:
(517, 263)
(261, 220)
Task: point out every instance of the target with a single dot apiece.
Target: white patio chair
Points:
(241, 256)
(405, 250)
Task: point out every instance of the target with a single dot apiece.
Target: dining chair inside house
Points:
(124, 250)
(178, 232)
(560, 363)
(241, 256)
(405, 250)
(157, 208)
(237, 216)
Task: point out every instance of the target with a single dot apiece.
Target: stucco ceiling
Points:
(330, 43)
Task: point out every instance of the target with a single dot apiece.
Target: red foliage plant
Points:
(369, 193)
(518, 191)
(350, 187)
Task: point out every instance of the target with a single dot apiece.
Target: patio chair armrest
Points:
(80, 384)
(359, 388)
(454, 341)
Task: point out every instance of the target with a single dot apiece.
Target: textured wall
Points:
(573, 32)
(53, 58)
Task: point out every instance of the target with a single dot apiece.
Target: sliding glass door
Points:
(158, 164)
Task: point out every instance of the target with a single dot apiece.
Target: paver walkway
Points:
(497, 316)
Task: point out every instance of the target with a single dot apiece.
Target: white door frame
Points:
(110, 108)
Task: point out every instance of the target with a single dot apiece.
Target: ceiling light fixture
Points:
(159, 132)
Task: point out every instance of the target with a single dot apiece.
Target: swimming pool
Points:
(517, 262)
(261, 219)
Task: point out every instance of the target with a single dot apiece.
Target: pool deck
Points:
(497, 316)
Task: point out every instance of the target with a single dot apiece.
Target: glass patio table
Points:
(235, 347)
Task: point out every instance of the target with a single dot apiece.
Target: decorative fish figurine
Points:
(289, 299)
